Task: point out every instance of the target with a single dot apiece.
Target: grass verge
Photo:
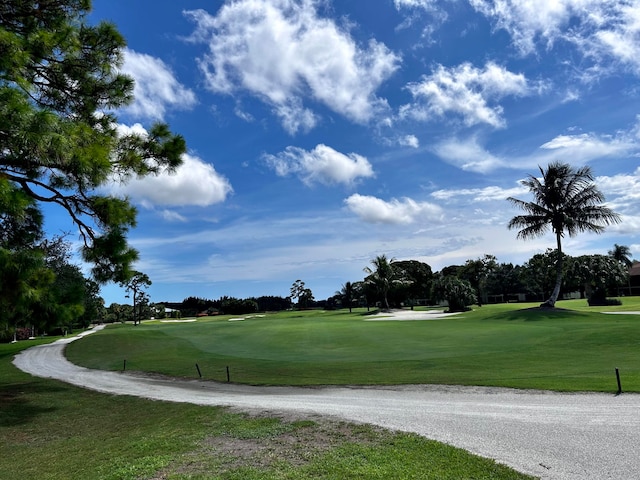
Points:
(50, 430)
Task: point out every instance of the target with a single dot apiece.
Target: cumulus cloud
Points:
(467, 91)
(468, 154)
(195, 183)
(599, 28)
(284, 53)
(404, 211)
(156, 88)
(323, 165)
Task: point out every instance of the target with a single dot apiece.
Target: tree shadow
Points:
(537, 314)
(17, 406)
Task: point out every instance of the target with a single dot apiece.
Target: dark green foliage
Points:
(458, 293)
(413, 281)
(236, 306)
(381, 277)
(272, 303)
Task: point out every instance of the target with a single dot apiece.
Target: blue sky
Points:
(324, 133)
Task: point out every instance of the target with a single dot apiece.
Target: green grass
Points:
(571, 348)
(50, 430)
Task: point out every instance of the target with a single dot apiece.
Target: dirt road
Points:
(550, 435)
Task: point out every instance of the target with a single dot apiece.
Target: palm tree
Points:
(347, 294)
(381, 276)
(566, 199)
(622, 254)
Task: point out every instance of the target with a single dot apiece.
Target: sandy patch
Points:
(239, 319)
(178, 321)
(409, 315)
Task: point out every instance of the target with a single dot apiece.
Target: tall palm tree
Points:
(381, 276)
(567, 200)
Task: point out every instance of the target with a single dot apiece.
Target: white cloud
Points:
(468, 155)
(409, 141)
(171, 216)
(284, 53)
(599, 28)
(323, 164)
(528, 21)
(622, 190)
(375, 210)
(585, 147)
(195, 182)
(156, 89)
(467, 91)
(426, 4)
(486, 194)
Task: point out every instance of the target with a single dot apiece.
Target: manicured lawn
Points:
(52, 431)
(573, 348)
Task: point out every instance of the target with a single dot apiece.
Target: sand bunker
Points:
(408, 315)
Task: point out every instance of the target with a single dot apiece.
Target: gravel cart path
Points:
(549, 435)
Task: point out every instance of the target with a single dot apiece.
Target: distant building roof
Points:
(634, 270)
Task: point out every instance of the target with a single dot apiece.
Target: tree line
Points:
(406, 283)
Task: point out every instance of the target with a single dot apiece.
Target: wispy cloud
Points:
(484, 194)
(468, 154)
(579, 149)
(284, 53)
(156, 89)
(602, 29)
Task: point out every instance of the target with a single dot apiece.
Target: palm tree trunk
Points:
(551, 302)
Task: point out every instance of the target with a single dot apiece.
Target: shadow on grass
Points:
(537, 314)
(16, 402)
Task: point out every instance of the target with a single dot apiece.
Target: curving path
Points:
(549, 435)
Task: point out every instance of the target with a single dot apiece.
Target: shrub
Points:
(458, 293)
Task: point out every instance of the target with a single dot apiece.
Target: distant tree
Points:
(346, 295)
(596, 275)
(539, 273)
(381, 276)
(306, 298)
(94, 309)
(136, 285)
(458, 293)
(273, 303)
(237, 306)
(450, 270)
(414, 280)
(505, 280)
(622, 254)
(567, 200)
(297, 290)
(476, 273)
